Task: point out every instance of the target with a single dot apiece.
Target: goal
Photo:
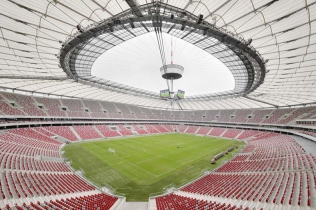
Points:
(112, 151)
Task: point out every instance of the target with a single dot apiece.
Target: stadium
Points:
(158, 104)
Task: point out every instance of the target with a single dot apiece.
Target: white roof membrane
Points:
(282, 31)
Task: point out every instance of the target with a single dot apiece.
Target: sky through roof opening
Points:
(137, 63)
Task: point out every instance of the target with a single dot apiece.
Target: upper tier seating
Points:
(166, 114)
(25, 103)
(225, 115)
(111, 109)
(6, 109)
(125, 111)
(52, 106)
(310, 115)
(147, 112)
(259, 115)
(211, 115)
(198, 115)
(187, 115)
(296, 113)
(176, 115)
(241, 116)
(137, 112)
(95, 109)
(158, 114)
(75, 108)
(276, 115)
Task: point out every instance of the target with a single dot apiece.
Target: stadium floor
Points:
(147, 164)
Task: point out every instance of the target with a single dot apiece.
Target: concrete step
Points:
(99, 132)
(75, 133)
(304, 190)
(283, 188)
(289, 189)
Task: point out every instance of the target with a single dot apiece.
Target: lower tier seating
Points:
(29, 184)
(151, 129)
(175, 202)
(124, 131)
(271, 170)
(106, 131)
(97, 201)
(31, 168)
(87, 132)
(63, 131)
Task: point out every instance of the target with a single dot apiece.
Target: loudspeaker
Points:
(79, 28)
(249, 41)
(200, 19)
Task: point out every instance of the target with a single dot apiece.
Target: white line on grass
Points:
(131, 163)
(138, 167)
(145, 151)
(127, 155)
(189, 162)
(129, 168)
(163, 157)
(142, 149)
(157, 156)
(147, 160)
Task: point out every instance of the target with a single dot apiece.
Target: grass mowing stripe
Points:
(146, 164)
(129, 163)
(190, 162)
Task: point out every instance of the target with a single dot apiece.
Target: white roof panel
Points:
(283, 32)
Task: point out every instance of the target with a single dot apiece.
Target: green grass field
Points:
(147, 164)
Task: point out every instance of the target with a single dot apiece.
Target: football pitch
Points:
(144, 165)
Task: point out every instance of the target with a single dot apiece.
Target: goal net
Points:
(112, 150)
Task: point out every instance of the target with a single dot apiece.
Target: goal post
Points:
(112, 151)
